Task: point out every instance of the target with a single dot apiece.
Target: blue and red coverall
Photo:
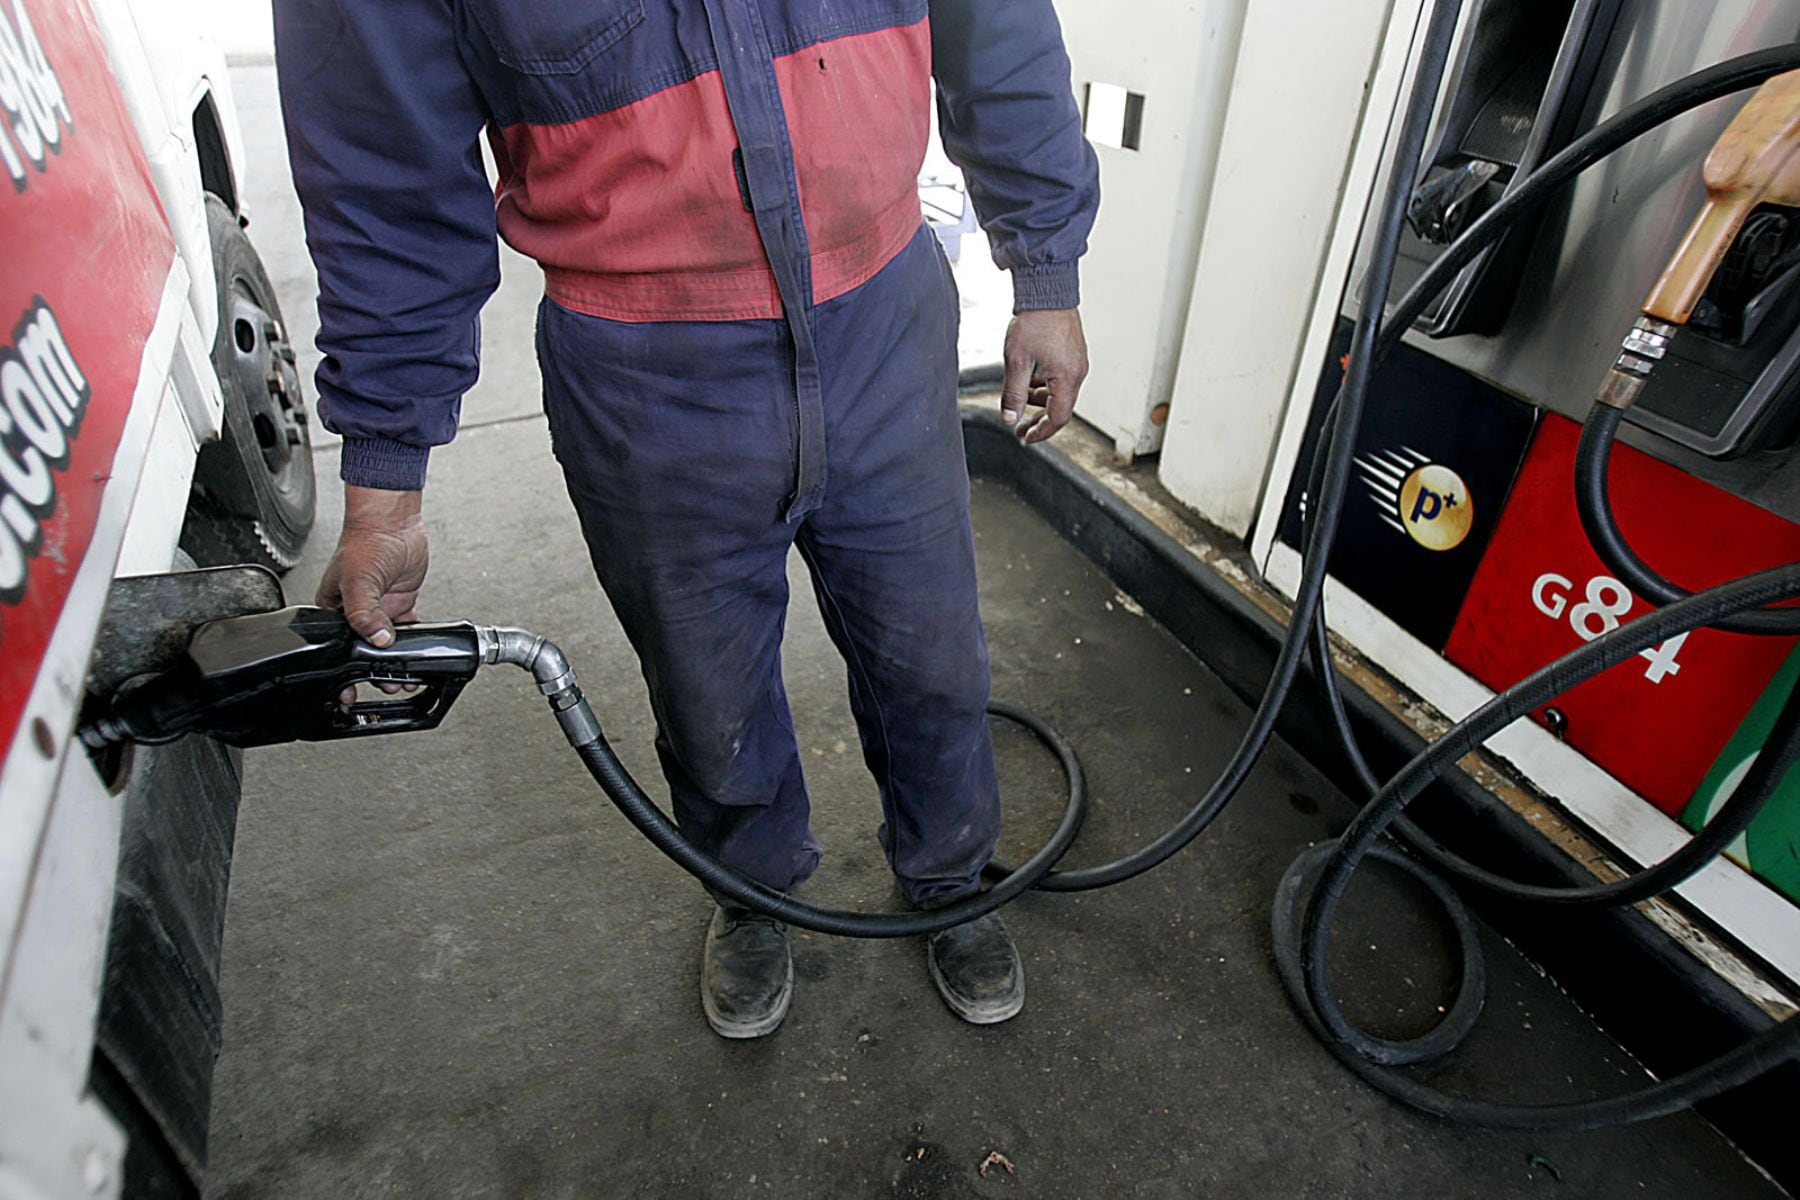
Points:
(748, 338)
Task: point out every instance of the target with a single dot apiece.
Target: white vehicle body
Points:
(59, 821)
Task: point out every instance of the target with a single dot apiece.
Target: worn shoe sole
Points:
(742, 1030)
(977, 1014)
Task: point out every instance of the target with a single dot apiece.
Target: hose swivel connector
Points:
(1644, 346)
(555, 677)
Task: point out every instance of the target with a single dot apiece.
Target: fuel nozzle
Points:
(1756, 161)
(278, 677)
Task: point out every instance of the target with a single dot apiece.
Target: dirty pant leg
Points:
(892, 561)
(675, 440)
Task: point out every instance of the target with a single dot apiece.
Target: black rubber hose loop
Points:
(1593, 501)
(1767, 1050)
(1753, 794)
(1371, 344)
(650, 821)
(1285, 920)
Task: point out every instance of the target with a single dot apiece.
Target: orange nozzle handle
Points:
(1755, 161)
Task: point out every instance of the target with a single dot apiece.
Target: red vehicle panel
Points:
(87, 253)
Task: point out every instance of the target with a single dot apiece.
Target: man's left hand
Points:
(1046, 360)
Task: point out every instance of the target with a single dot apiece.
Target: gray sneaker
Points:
(977, 970)
(746, 973)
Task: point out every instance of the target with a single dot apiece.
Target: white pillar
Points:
(1297, 105)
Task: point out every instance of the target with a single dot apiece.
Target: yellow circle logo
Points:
(1435, 509)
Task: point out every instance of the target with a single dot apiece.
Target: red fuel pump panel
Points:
(87, 254)
(1656, 722)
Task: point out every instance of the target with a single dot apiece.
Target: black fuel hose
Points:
(597, 755)
(1325, 673)
(1752, 795)
(1306, 956)
(1302, 940)
(1594, 502)
(1297, 883)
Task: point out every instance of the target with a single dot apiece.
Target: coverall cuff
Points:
(1049, 285)
(378, 462)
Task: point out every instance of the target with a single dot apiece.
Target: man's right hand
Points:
(379, 565)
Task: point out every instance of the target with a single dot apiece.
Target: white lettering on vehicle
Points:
(36, 113)
(43, 395)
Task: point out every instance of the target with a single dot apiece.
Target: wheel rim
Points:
(269, 381)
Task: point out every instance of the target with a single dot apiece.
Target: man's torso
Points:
(619, 163)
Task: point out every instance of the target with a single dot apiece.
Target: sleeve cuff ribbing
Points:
(383, 463)
(1051, 285)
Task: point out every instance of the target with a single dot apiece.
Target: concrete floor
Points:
(451, 970)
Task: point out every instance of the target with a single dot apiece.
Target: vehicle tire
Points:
(253, 493)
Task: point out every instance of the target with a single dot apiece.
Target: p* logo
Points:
(1426, 501)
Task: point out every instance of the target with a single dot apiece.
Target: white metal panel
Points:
(1285, 164)
(55, 1138)
(244, 29)
(188, 414)
(197, 386)
(1139, 268)
(154, 526)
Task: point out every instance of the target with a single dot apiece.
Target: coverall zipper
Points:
(747, 71)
